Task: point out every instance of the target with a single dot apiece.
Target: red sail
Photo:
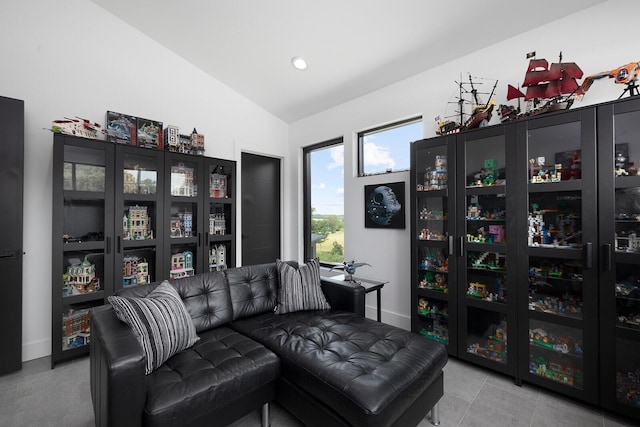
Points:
(571, 70)
(513, 92)
(535, 92)
(555, 71)
(536, 73)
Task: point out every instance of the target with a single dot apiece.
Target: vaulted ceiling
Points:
(352, 47)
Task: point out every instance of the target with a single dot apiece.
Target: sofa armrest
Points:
(344, 296)
(117, 371)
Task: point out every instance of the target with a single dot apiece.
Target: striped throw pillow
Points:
(300, 288)
(159, 321)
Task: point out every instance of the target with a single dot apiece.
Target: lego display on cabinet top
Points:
(78, 126)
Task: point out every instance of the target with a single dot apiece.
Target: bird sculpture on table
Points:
(349, 268)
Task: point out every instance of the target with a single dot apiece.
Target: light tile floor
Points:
(40, 396)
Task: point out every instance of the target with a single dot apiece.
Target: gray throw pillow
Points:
(300, 288)
(159, 321)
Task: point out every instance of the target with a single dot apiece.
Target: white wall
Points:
(70, 57)
(594, 39)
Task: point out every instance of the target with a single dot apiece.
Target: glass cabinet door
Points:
(433, 227)
(485, 223)
(620, 238)
(139, 204)
(183, 214)
(219, 213)
(82, 240)
(558, 289)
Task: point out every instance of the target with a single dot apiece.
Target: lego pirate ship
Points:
(478, 115)
(549, 87)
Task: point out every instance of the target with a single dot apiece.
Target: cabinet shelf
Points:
(498, 307)
(627, 181)
(77, 299)
(220, 237)
(554, 187)
(140, 197)
(433, 193)
(94, 245)
(488, 190)
(555, 252)
(432, 293)
(139, 243)
(486, 247)
(83, 195)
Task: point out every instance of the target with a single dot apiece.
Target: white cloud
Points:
(337, 155)
(375, 155)
(340, 191)
(320, 186)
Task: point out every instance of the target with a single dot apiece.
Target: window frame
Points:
(393, 125)
(306, 172)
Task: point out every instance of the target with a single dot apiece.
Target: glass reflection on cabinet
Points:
(627, 291)
(555, 286)
(487, 334)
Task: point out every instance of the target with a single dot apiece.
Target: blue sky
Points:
(389, 149)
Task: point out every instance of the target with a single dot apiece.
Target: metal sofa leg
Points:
(435, 414)
(266, 422)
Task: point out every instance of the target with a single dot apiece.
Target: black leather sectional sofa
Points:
(326, 367)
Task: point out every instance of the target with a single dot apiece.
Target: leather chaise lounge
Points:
(327, 367)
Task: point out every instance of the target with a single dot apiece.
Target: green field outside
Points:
(323, 249)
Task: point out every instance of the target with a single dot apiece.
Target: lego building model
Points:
(628, 387)
(183, 181)
(135, 271)
(435, 178)
(496, 345)
(434, 281)
(136, 224)
(172, 139)
(217, 185)
(217, 223)
(182, 224)
(75, 329)
(197, 143)
(80, 278)
(563, 233)
(181, 265)
(437, 329)
(218, 258)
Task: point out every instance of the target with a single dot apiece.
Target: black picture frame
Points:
(384, 205)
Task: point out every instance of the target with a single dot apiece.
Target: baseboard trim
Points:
(36, 349)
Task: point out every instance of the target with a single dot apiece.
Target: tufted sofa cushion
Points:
(221, 369)
(367, 371)
(254, 289)
(206, 297)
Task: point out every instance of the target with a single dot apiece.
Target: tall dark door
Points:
(260, 209)
(11, 184)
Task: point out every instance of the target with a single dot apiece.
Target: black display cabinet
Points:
(619, 226)
(557, 247)
(82, 240)
(433, 232)
(125, 216)
(486, 223)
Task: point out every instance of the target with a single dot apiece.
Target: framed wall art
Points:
(384, 205)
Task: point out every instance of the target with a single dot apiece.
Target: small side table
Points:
(369, 285)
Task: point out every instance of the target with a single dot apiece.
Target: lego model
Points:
(78, 127)
(435, 214)
(494, 261)
(426, 234)
(496, 346)
(436, 178)
(217, 223)
(75, 329)
(217, 185)
(218, 258)
(136, 224)
(172, 139)
(80, 278)
(181, 265)
(437, 329)
(197, 143)
(556, 369)
(628, 387)
(135, 271)
(183, 181)
(181, 224)
(627, 242)
(434, 281)
(561, 344)
(564, 233)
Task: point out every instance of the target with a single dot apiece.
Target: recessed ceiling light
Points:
(299, 63)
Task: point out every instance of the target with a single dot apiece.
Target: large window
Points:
(386, 148)
(324, 201)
